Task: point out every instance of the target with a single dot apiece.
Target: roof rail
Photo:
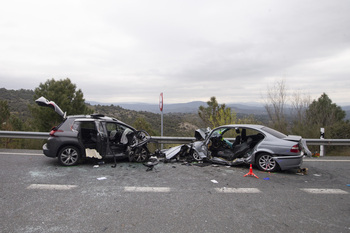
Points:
(97, 115)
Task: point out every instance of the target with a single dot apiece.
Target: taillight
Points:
(295, 149)
(53, 131)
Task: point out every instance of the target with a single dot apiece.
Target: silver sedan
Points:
(259, 145)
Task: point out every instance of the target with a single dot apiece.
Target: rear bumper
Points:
(289, 162)
(47, 152)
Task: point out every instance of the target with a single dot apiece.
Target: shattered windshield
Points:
(218, 132)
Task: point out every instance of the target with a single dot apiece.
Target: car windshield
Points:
(273, 132)
(218, 132)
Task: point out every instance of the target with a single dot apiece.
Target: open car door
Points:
(101, 142)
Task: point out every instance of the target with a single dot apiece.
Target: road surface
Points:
(39, 195)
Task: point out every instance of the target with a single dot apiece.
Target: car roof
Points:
(98, 117)
(94, 117)
(252, 126)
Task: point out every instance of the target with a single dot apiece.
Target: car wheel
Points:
(196, 156)
(69, 156)
(265, 162)
(140, 155)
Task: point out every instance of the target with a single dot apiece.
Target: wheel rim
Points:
(69, 156)
(141, 155)
(267, 163)
(196, 156)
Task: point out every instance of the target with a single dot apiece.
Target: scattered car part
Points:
(153, 161)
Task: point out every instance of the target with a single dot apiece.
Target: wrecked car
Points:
(259, 145)
(93, 136)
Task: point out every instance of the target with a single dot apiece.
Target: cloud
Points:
(190, 50)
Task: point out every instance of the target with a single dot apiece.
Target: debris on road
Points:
(302, 171)
(152, 161)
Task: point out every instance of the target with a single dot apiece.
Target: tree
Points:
(274, 105)
(324, 113)
(65, 95)
(141, 124)
(215, 115)
(223, 116)
(4, 113)
(9, 122)
(206, 112)
(300, 103)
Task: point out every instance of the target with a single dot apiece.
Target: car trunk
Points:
(301, 142)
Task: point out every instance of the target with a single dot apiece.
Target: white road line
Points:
(325, 191)
(167, 189)
(326, 160)
(237, 190)
(14, 153)
(51, 186)
(147, 189)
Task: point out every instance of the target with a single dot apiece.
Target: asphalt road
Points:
(38, 195)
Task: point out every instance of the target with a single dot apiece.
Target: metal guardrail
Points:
(328, 142)
(166, 140)
(171, 140)
(23, 134)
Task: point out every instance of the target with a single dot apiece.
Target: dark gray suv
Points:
(93, 136)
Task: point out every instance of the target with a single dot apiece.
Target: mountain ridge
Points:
(189, 107)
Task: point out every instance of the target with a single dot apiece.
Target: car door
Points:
(101, 138)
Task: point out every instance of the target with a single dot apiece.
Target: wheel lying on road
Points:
(69, 156)
(265, 162)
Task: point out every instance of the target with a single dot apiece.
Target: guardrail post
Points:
(322, 152)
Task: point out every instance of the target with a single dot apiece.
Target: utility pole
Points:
(161, 116)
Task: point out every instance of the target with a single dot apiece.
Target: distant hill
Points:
(18, 101)
(190, 107)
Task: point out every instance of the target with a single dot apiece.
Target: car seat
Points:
(241, 149)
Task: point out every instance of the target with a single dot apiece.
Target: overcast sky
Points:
(132, 50)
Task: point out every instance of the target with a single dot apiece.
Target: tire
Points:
(69, 156)
(265, 162)
(196, 156)
(140, 155)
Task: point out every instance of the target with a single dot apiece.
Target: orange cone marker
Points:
(250, 173)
